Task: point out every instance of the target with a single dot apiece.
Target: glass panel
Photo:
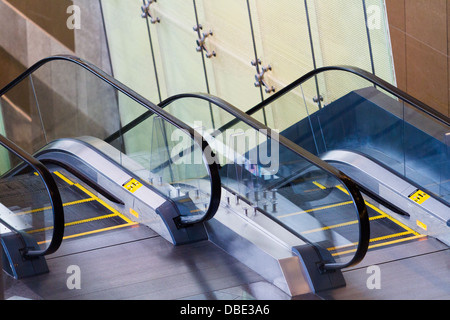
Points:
(175, 46)
(22, 121)
(426, 157)
(285, 46)
(129, 46)
(231, 74)
(380, 39)
(333, 35)
(170, 160)
(283, 184)
(25, 206)
(72, 102)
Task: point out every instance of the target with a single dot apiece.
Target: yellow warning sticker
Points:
(419, 196)
(422, 225)
(132, 185)
(134, 213)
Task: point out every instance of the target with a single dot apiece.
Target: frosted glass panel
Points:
(234, 75)
(129, 46)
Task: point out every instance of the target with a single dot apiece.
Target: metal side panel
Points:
(267, 248)
(142, 205)
(429, 216)
(257, 249)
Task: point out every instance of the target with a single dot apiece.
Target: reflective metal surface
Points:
(430, 216)
(112, 177)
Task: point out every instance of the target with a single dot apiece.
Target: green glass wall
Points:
(164, 52)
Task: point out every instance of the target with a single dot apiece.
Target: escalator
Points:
(397, 150)
(65, 182)
(134, 163)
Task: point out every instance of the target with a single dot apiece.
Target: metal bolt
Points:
(274, 194)
(274, 206)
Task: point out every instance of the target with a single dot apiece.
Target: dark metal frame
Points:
(360, 206)
(212, 164)
(53, 193)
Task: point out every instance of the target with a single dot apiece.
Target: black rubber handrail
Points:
(419, 105)
(53, 193)
(358, 200)
(209, 157)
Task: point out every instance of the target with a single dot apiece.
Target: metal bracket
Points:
(201, 41)
(316, 100)
(146, 11)
(260, 77)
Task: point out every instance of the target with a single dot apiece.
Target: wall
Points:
(420, 39)
(31, 33)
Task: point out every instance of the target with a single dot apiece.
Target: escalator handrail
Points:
(211, 163)
(360, 206)
(365, 75)
(53, 193)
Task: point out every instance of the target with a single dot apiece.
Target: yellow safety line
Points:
(416, 235)
(397, 241)
(100, 230)
(93, 197)
(317, 209)
(340, 225)
(342, 189)
(107, 206)
(330, 227)
(106, 216)
(394, 235)
(63, 178)
(49, 207)
(392, 219)
(90, 194)
(319, 185)
(94, 231)
(384, 214)
(382, 244)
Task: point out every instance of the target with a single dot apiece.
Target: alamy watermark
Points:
(374, 280)
(74, 280)
(74, 20)
(374, 17)
(248, 148)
